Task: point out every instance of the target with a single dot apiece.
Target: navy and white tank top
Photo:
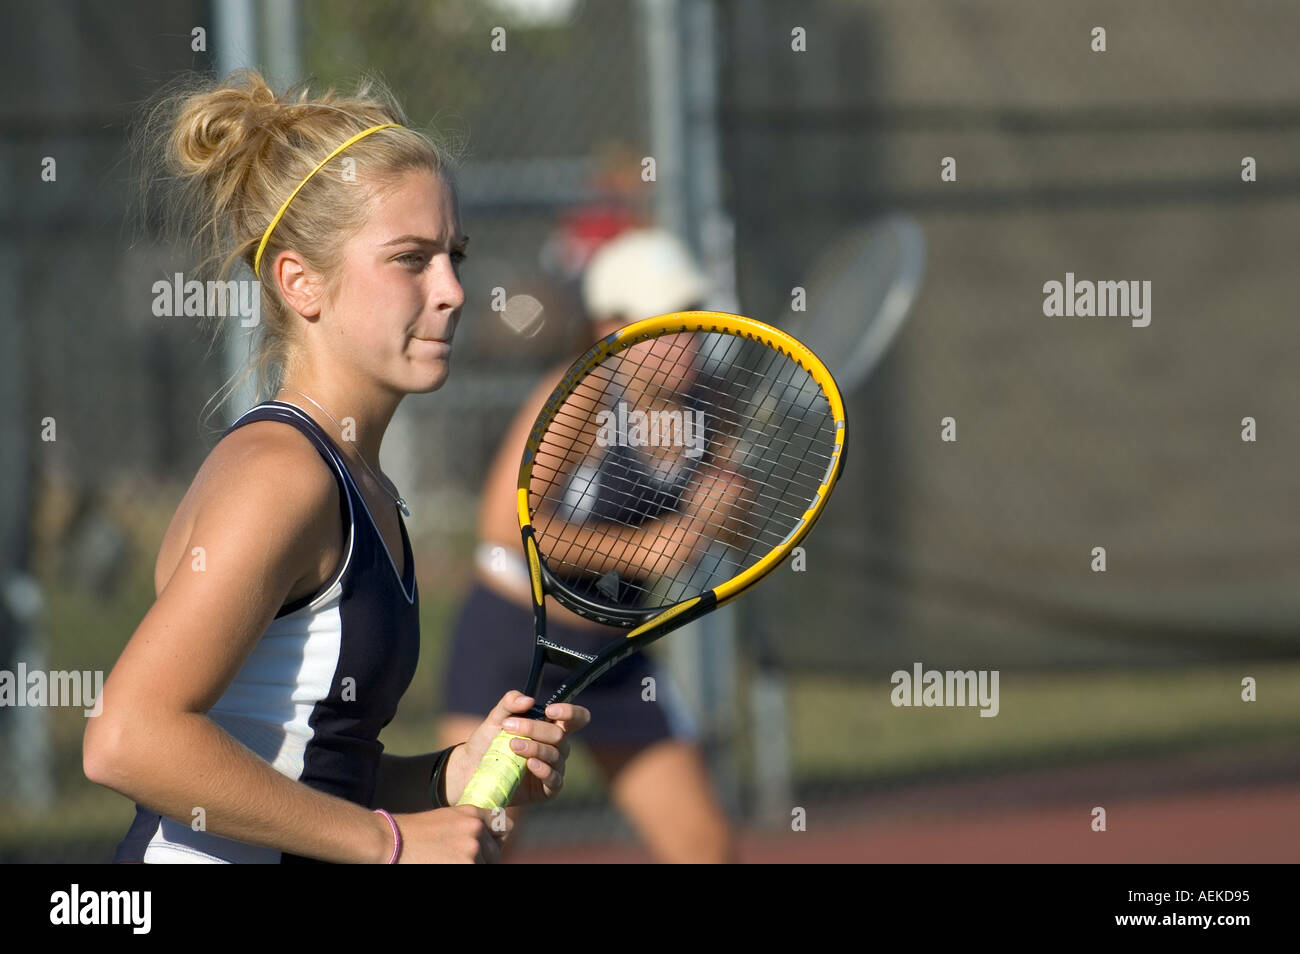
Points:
(323, 680)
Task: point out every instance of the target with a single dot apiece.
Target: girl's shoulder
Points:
(262, 474)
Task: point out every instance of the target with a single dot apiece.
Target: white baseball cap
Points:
(641, 273)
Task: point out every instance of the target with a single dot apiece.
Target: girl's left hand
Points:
(546, 746)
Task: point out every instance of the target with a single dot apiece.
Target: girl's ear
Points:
(301, 287)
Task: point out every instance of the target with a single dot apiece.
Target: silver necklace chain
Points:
(401, 504)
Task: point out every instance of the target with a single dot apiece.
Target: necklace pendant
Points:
(401, 505)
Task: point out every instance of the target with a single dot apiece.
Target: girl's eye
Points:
(419, 259)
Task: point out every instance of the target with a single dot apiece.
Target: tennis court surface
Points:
(1174, 811)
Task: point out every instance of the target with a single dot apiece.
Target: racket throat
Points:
(563, 655)
(554, 653)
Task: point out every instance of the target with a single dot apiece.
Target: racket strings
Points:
(737, 426)
(610, 495)
(721, 407)
(779, 448)
(739, 530)
(755, 536)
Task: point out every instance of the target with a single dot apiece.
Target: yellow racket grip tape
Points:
(497, 776)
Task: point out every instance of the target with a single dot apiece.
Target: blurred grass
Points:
(844, 731)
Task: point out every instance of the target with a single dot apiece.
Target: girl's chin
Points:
(431, 379)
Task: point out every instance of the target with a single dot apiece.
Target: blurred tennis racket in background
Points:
(859, 296)
(860, 291)
(676, 464)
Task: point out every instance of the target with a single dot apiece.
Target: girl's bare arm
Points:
(254, 537)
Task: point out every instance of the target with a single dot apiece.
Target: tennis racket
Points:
(678, 461)
(860, 293)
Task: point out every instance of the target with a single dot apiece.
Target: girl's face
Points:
(399, 296)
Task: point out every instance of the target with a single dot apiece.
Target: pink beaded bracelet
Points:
(397, 836)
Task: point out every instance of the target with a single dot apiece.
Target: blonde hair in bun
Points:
(220, 158)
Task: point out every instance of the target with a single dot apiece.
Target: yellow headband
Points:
(266, 236)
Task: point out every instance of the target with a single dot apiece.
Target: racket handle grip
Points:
(497, 776)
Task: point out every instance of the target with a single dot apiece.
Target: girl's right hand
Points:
(462, 835)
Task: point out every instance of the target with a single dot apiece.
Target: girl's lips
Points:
(440, 347)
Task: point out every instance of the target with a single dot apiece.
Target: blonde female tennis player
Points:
(244, 713)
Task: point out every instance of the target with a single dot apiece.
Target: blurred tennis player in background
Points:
(642, 741)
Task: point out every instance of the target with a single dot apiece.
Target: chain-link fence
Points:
(1071, 433)
(996, 448)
